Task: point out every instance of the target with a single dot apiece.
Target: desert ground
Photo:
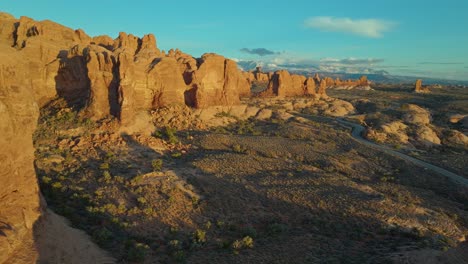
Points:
(290, 187)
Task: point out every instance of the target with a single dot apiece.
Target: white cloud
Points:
(351, 61)
(297, 63)
(372, 28)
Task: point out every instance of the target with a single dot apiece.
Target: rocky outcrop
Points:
(217, 81)
(118, 77)
(419, 88)
(414, 114)
(394, 132)
(284, 84)
(100, 65)
(260, 76)
(322, 90)
(420, 119)
(414, 128)
(427, 136)
(317, 77)
(310, 86)
(361, 84)
(456, 138)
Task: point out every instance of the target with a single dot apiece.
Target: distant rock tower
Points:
(419, 88)
(322, 90)
(317, 77)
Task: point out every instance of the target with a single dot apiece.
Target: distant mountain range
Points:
(379, 76)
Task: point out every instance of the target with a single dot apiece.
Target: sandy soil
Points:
(57, 242)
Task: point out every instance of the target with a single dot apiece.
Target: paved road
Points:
(357, 131)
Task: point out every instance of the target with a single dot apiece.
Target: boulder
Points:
(426, 136)
(339, 108)
(416, 115)
(455, 118)
(396, 130)
(264, 114)
(457, 138)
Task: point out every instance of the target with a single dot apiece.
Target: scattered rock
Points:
(456, 138)
(264, 114)
(455, 118)
(426, 136)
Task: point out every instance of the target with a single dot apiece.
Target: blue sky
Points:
(412, 37)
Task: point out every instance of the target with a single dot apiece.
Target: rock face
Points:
(419, 88)
(19, 203)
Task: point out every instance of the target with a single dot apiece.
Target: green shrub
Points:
(106, 176)
(148, 211)
(174, 244)
(238, 148)
(104, 166)
(102, 236)
(142, 200)
(57, 185)
(46, 179)
(157, 164)
(247, 242)
(176, 155)
(168, 134)
(236, 245)
(137, 252)
(179, 256)
(199, 236)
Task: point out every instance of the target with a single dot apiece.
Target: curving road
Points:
(357, 131)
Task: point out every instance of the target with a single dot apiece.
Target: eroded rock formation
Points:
(419, 88)
(117, 77)
(361, 84)
(217, 81)
(282, 84)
